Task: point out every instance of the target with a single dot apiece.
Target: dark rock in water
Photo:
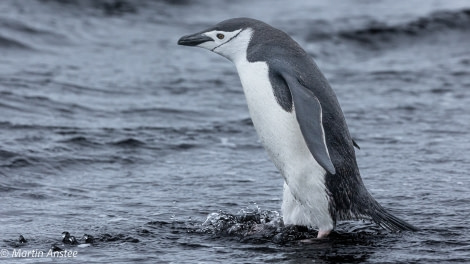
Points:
(56, 248)
(108, 237)
(119, 237)
(89, 239)
(22, 240)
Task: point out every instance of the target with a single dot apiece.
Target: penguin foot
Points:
(323, 233)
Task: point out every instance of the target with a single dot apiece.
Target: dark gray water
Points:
(109, 128)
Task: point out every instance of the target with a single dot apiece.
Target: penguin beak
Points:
(193, 40)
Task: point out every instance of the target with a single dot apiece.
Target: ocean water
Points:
(110, 129)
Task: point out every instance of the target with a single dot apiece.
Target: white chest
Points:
(305, 201)
(278, 130)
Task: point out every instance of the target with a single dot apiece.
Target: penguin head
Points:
(65, 235)
(229, 38)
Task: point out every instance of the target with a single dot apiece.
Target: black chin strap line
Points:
(228, 40)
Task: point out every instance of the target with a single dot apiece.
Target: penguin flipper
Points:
(309, 115)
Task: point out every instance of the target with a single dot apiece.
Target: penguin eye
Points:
(220, 36)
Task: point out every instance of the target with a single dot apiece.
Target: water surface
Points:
(109, 128)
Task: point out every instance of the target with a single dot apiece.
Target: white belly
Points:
(305, 201)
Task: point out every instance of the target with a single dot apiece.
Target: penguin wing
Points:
(309, 115)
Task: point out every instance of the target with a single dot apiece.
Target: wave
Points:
(22, 36)
(80, 140)
(117, 7)
(259, 226)
(435, 23)
(10, 43)
(129, 142)
(18, 26)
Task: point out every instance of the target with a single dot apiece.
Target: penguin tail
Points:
(390, 222)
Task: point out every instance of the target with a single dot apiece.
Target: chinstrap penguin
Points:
(300, 123)
(68, 239)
